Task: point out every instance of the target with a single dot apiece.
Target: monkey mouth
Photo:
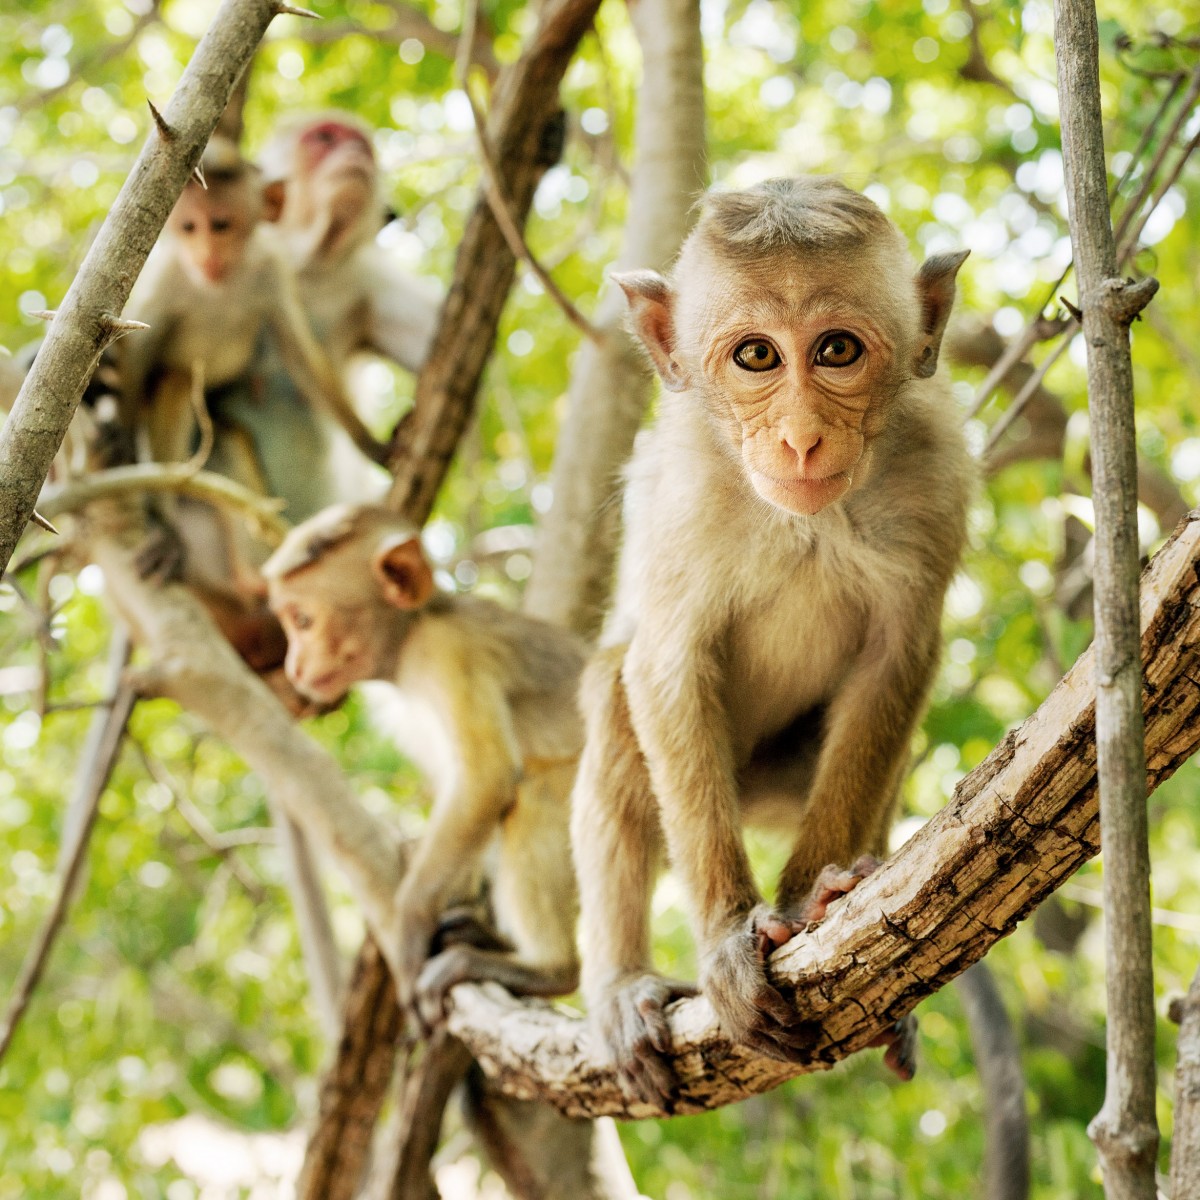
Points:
(806, 496)
(325, 689)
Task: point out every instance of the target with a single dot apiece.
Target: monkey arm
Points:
(671, 679)
(864, 747)
(480, 788)
(308, 366)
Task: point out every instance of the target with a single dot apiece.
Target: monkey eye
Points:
(301, 620)
(757, 355)
(838, 350)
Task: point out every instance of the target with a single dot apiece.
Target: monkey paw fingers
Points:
(901, 1042)
(631, 1027)
(751, 1011)
(835, 881)
(437, 977)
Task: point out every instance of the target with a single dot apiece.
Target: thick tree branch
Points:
(1019, 825)
(1126, 1130)
(1185, 1144)
(86, 320)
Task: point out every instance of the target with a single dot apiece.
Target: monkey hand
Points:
(900, 1040)
(629, 1027)
(835, 881)
(417, 928)
(751, 1011)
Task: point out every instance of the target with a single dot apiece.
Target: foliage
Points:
(178, 986)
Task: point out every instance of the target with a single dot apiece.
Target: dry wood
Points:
(1185, 1144)
(611, 383)
(354, 1089)
(526, 103)
(87, 320)
(1126, 1130)
(1019, 825)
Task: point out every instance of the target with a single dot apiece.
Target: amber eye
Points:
(838, 350)
(757, 355)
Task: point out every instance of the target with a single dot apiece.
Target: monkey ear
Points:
(403, 574)
(935, 290)
(273, 194)
(652, 304)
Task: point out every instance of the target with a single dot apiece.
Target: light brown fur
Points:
(482, 700)
(790, 534)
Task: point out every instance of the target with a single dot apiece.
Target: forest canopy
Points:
(172, 1047)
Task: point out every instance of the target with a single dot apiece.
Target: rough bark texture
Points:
(611, 383)
(1185, 1144)
(1125, 1131)
(86, 319)
(354, 1089)
(525, 105)
(1019, 825)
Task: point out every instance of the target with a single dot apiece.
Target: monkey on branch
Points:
(792, 522)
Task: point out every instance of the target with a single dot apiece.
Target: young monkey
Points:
(483, 700)
(791, 525)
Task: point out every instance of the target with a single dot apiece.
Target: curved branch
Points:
(1019, 825)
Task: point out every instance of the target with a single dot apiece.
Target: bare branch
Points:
(1126, 1130)
(1185, 1143)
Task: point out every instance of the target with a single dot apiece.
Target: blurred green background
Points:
(177, 989)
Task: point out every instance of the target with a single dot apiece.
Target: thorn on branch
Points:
(198, 176)
(1128, 298)
(115, 327)
(292, 11)
(37, 519)
(1073, 309)
(44, 314)
(165, 131)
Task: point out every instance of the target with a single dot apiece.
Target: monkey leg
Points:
(617, 840)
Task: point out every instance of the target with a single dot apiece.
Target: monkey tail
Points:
(998, 1060)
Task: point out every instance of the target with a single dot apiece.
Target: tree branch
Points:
(1126, 1130)
(87, 319)
(1019, 825)
(1185, 1144)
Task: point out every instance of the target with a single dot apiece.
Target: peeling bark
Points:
(1018, 826)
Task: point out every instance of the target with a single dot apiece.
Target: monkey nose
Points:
(803, 443)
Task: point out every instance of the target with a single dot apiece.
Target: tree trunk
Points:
(611, 382)
(1125, 1131)
(1185, 1145)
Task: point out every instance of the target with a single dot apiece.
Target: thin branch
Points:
(1125, 1131)
(497, 197)
(1030, 387)
(183, 479)
(87, 319)
(72, 857)
(1185, 1143)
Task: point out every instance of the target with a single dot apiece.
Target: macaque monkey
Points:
(792, 522)
(213, 283)
(483, 700)
(333, 207)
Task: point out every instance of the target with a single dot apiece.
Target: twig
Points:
(71, 859)
(497, 196)
(1013, 411)
(183, 479)
(1125, 1131)
(87, 320)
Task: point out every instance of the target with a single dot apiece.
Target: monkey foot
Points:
(901, 1042)
(630, 1025)
(833, 882)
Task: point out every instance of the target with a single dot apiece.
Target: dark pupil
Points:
(761, 352)
(837, 347)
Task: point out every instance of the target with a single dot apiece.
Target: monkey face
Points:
(212, 230)
(331, 646)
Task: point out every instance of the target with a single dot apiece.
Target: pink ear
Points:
(652, 308)
(403, 574)
(273, 195)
